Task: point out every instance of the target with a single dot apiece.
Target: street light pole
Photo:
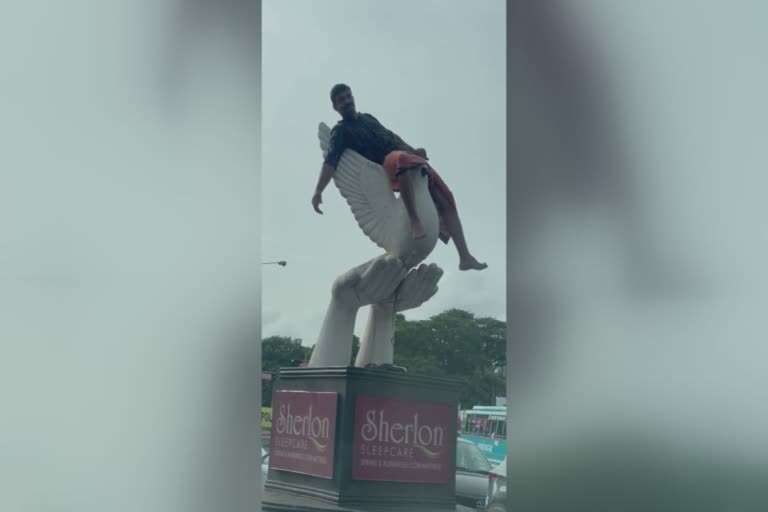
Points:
(282, 263)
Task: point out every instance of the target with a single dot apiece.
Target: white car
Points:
(497, 488)
(264, 468)
(472, 474)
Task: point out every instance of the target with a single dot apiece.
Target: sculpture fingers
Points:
(380, 280)
(395, 273)
(424, 287)
(414, 302)
(421, 287)
(345, 286)
(410, 283)
(346, 280)
(418, 287)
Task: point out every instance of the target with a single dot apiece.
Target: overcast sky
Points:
(436, 76)
(129, 276)
(693, 364)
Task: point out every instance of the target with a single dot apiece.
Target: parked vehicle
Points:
(264, 468)
(497, 488)
(472, 474)
(486, 426)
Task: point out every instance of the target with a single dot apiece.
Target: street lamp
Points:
(282, 263)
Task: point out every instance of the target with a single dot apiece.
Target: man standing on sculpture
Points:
(364, 134)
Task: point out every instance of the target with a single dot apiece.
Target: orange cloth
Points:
(397, 161)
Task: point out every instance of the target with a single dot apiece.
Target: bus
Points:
(486, 427)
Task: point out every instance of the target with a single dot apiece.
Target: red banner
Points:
(303, 432)
(402, 441)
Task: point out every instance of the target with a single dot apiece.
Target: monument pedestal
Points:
(364, 438)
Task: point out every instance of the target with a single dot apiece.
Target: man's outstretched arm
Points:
(326, 172)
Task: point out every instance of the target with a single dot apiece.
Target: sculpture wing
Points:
(365, 186)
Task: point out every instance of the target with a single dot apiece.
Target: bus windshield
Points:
(491, 424)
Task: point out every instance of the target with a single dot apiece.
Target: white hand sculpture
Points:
(377, 343)
(369, 283)
(418, 287)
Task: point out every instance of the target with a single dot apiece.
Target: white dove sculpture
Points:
(388, 283)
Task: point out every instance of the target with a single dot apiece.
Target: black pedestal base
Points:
(415, 419)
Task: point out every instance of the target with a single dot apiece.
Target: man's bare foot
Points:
(418, 230)
(470, 263)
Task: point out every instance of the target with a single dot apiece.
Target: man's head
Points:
(343, 101)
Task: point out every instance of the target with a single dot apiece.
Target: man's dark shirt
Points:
(366, 135)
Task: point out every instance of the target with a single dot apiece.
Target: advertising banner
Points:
(303, 432)
(402, 441)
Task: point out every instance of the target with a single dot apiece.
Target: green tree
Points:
(355, 349)
(455, 344)
(284, 352)
(279, 352)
